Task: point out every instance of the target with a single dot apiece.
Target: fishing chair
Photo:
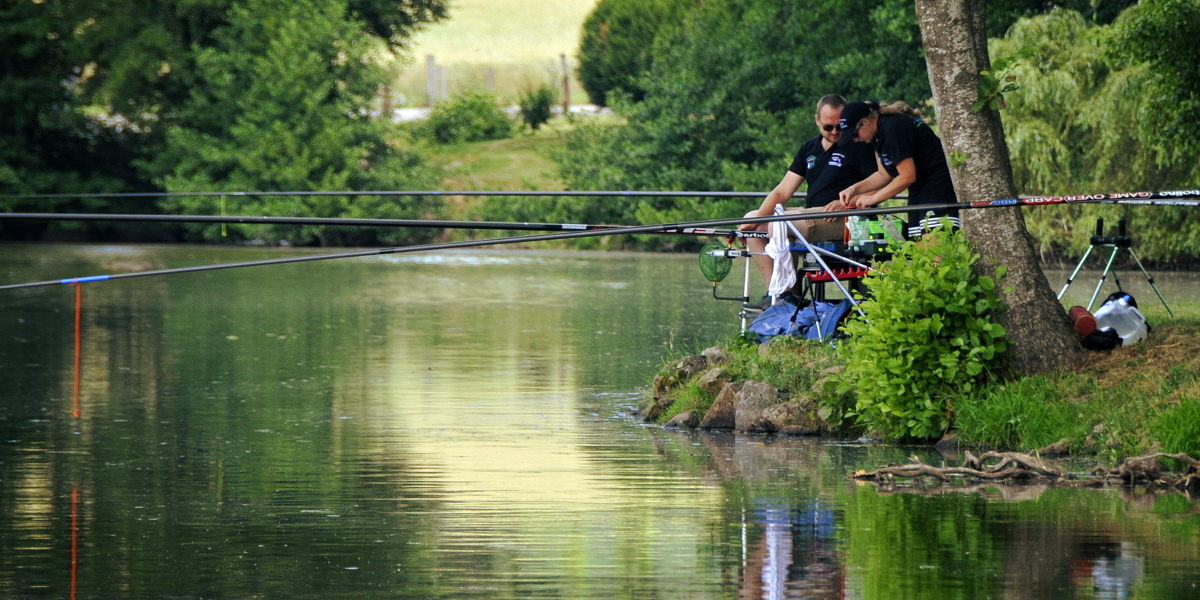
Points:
(813, 272)
(812, 269)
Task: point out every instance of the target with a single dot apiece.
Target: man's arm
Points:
(778, 197)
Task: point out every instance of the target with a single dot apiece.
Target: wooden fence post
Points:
(566, 102)
(431, 79)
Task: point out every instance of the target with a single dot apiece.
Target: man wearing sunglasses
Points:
(828, 168)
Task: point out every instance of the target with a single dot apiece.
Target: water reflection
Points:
(452, 426)
(796, 557)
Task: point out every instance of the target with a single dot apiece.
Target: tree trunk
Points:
(955, 41)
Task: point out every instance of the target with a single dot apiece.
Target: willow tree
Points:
(954, 35)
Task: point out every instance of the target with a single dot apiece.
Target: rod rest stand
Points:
(1119, 241)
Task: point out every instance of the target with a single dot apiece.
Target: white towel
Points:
(783, 277)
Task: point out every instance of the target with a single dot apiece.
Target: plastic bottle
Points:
(1127, 321)
(859, 232)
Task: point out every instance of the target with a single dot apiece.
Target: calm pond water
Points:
(456, 425)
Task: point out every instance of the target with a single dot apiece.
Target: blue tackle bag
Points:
(785, 318)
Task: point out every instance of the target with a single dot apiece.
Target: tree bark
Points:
(955, 41)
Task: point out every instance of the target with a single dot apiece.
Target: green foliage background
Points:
(730, 94)
(617, 44)
(213, 95)
(1092, 114)
(467, 117)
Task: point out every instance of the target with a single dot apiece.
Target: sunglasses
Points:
(829, 128)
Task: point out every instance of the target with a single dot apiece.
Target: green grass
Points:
(516, 163)
(1120, 404)
(520, 40)
(791, 364)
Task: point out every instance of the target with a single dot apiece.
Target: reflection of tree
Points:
(206, 457)
(960, 546)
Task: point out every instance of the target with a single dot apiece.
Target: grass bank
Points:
(1119, 403)
(516, 163)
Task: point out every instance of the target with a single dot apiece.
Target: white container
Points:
(1126, 320)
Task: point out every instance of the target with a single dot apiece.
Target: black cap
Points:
(852, 114)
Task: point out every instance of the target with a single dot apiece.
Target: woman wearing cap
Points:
(910, 156)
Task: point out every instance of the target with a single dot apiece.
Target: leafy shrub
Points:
(535, 106)
(929, 334)
(617, 42)
(467, 117)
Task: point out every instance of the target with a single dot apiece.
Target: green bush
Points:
(535, 106)
(468, 117)
(928, 334)
(616, 45)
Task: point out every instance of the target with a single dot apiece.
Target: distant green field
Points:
(519, 40)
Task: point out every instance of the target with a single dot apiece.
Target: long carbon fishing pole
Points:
(544, 194)
(448, 246)
(1174, 198)
(1171, 198)
(415, 223)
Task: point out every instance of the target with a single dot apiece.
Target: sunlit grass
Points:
(516, 163)
(520, 40)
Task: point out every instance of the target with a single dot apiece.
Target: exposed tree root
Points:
(1016, 467)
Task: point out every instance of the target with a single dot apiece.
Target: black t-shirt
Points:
(828, 172)
(902, 137)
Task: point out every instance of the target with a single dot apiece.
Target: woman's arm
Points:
(907, 170)
(877, 180)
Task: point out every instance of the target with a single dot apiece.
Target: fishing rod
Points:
(351, 193)
(447, 246)
(1172, 198)
(349, 222)
(355, 254)
(1164, 198)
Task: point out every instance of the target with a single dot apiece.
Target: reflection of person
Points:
(910, 156)
(828, 168)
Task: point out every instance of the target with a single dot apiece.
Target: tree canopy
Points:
(117, 95)
(1089, 117)
(617, 46)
